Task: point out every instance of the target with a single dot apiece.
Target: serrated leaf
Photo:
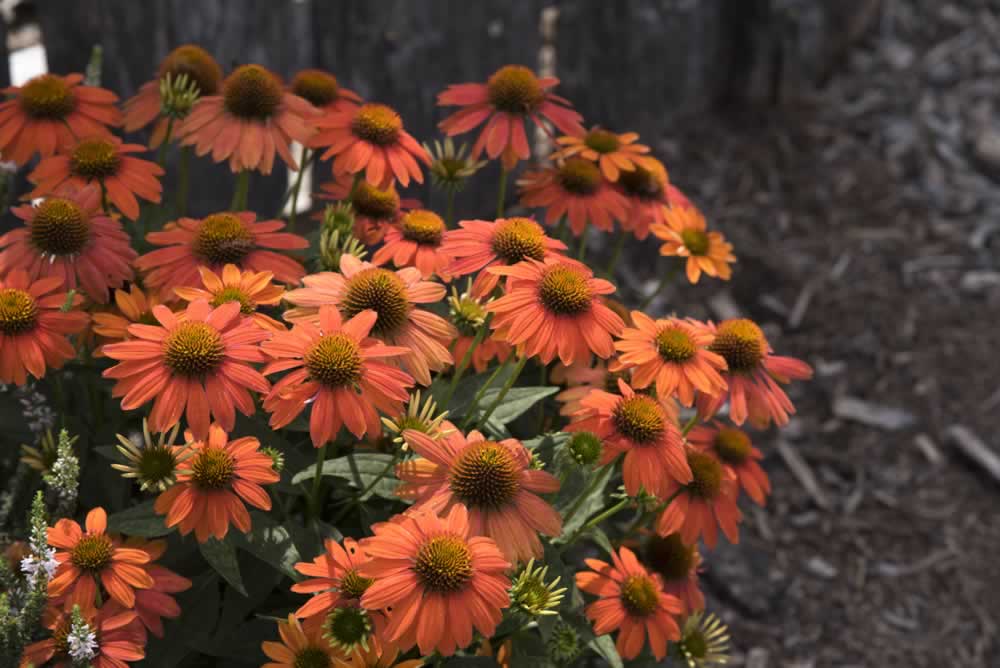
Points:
(271, 543)
(221, 556)
(140, 520)
(361, 469)
(605, 646)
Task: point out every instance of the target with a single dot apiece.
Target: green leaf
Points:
(361, 469)
(517, 402)
(221, 556)
(139, 520)
(605, 646)
(467, 389)
(593, 501)
(597, 535)
(271, 543)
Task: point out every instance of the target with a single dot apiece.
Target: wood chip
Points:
(758, 657)
(872, 414)
(974, 449)
(930, 450)
(802, 304)
(724, 306)
(801, 470)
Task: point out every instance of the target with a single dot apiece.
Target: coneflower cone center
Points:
(197, 64)
(18, 311)
(311, 657)
(579, 176)
(372, 202)
(585, 447)
(377, 124)
(348, 626)
(193, 349)
(59, 227)
(602, 141)
(467, 314)
(639, 595)
(423, 227)
(674, 345)
(156, 465)
(222, 238)
(234, 294)
(212, 468)
(92, 553)
(639, 418)
(334, 360)
(444, 564)
(252, 93)
(485, 475)
(707, 475)
(640, 183)
(515, 89)
(94, 159)
(517, 239)
(381, 291)
(316, 87)
(47, 97)
(671, 557)
(353, 585)
(564, 291)
(696, 241)
(732, 445)
(741, 343)
(694, 644)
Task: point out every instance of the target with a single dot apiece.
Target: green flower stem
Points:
(667, 278)
(449, 212)
(482, 391)
(368, 488)
(599, 481)
(501, 192)
(581, 250)
(690, 424)
(314, 497)
(616, 254)
(239, 202)
(161, 155)
(594, 521)
(296, 188)
(183, 179)
(503, 391)
(467, 358)
(543, 380)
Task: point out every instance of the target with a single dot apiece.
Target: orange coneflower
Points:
(376, 656)
(33, 326)
(754, 375)
(214, 483)
(673, 353)
(106, 161)
(69, 238)
(134, 306)
(156, 603)
(370, 139)
(248, 288)
(337, 369)
(493, 479)
(632, 600)
(392, 295)
(196, 358)
(439, 578)
(642, 428)
(89, 558)
(614, 153)
(647, 190)
(252, 119)
(735, 450)
(416, 241)
(114, 640)
(301, 646)
(322, 90)
(468, 314)
(554, 307)
(188, 60)
(480, 244)
(678, 565)
(374, 208)
(49, 112)
(215, 241)
(704, 504)
(511, 94)
(575, 189)
(684, 235)
(580, 378)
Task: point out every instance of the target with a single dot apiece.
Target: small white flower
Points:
(45, 558)
(82, 642)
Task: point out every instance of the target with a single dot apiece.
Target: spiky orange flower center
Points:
(316, 86)
(59, 227)
(234, 293)
(197, 64)
(639, 418)
(674, 345)
(741, 343)
(47, 97)
(193, 349)
(334, 360)
(517, 239)
(382, 291)
(696, 241)
(579, 176)
(515, 89)
(353, 586)
(671, 557)
(377, 124)
(213, 468)
(18, 311)
(444, 564)
(92, 553)
(222, 238)
(639, 595)
(602, 141)
(640, 183)
(423, 227)
(564, 291)
(311, 657)
(373, 202)
(485, 475)
(252, 93)
(707, 474)
(732, 445)
(95, 159)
